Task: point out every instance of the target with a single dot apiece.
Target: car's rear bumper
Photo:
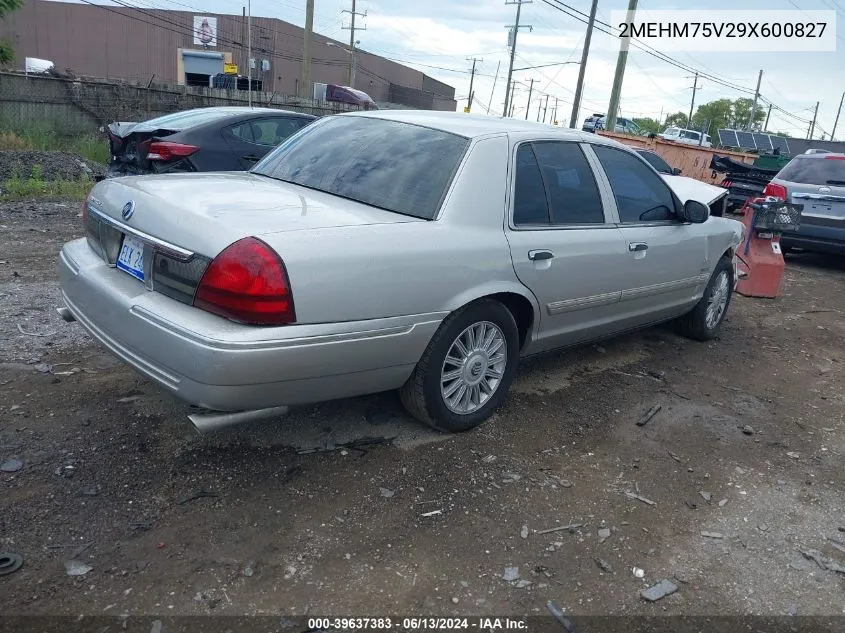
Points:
(814, 236)
(208, 361)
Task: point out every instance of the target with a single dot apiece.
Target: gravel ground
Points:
(739, 472)
(53, 165)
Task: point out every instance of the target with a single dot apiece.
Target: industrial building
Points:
(185, 48)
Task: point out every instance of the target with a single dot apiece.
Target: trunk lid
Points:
(205, 212)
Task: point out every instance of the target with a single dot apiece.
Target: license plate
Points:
(131, 258)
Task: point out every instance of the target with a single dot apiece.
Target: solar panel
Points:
(745, 140)
(727, 138)
(779, 142)
(763, 142)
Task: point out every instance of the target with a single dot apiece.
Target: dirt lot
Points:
(239, 522)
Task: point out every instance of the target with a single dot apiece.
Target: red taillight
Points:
(727, 183)
(775, 191)
(247, 282)
(162, 150)
(832, 157)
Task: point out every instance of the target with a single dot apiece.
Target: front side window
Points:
(655, 161)
(641, 195)
(390, 165)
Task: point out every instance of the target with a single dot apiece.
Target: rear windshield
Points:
(814, 171)
(386, 164)
(186, 119)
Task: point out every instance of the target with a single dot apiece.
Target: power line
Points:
(572, 12)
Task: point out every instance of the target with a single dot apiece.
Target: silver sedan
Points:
(420, 251)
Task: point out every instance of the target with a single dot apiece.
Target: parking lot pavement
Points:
(352, 508)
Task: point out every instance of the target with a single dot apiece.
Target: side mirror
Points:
(695, 212)
(676, 171)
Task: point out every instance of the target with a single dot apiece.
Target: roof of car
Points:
(820, 155)
(233, 110)
(471, 126)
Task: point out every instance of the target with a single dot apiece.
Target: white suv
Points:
(681, 135)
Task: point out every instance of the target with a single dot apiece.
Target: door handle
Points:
(636, 247)
(536, 256)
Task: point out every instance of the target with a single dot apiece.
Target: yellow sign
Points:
(230, 69)
(466, 110)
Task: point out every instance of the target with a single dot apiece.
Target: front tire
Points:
(466, 370)
(703, 321)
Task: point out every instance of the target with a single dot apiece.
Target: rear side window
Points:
(573, 193)
(814, 171)
(641, 195)
(554, 184)
(530, 205)
(274, 130)
(386, 164)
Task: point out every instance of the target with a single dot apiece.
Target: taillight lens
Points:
(727, 183)
(835, 157)
(162, 150)
(775, 191)
(248, 283)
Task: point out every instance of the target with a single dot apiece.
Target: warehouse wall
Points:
(115, 42)
(83, 106)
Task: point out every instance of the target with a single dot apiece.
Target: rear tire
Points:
(466, 370)
(703, 321)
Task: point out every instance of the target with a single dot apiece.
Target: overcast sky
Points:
(436, 37)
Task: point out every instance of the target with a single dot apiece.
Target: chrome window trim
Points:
(166, 247)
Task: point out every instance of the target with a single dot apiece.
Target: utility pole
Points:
(249, 49)
(754, 105)
(545, 108)
(692, 103)
(768, 114)
(471, 81)
(813, 124)
(576, 104)
(305, 88)
(495, 79)
(616, 91)
(514, 31)
(539, 107)
(836, 122)
(528, 105)
(554, 114)
(352, 28)
(513, 91)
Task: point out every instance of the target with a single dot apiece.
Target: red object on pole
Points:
(760, 257)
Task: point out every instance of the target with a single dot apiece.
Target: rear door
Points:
(666, 263)
(250, 140)
(564, 245)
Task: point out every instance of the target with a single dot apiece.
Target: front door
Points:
(564, 247)
(667, 260)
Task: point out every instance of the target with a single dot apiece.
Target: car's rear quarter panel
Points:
(374, 271)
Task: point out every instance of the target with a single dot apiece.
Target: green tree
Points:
(726, 114)
(678, 119)
(649, 126)
(7, 51)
